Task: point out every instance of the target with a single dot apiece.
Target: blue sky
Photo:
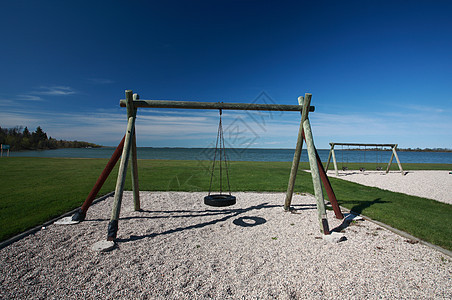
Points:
(379, 71)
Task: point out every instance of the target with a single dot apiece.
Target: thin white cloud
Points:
(408, 107)
(13, 119)
(28, 98)
(43, 90)
(198, 128)
(407, 129)
(6, 102)
(425, 108)
(194, 128)
(54, 91)
(347, 125)
(162, 119)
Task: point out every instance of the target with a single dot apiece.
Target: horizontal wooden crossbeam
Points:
(358, 144)
(214, 105)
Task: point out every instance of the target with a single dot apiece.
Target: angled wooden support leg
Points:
(390, 161)
(335, 162)
(329, 158)
(316, 181)
(296, 158)
(113, 225)
(134, 165)
(134, 171)
(397, 158)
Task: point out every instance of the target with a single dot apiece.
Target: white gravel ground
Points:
(435, 185)
(178, 248)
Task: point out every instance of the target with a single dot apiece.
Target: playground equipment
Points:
(128, 149)
(220, 200)
(378, 148)
(305, 129)
(4, 147)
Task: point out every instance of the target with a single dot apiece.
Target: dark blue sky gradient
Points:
(379, 71)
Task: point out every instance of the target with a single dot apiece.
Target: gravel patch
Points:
(436, 185)
(178, 248)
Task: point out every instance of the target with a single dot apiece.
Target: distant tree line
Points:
(19, 139)
(425, 149)
(401, 149)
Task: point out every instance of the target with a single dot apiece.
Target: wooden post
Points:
(113, 225)
(296, 158)
(397, 158)
(390, 162)
(334, 162)
(329, 157)
(316, 181)
(132, 112)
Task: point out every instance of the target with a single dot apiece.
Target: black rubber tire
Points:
(218, 200)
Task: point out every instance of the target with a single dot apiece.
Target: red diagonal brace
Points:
(101, 180)
(327, 185)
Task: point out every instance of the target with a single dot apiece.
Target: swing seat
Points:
(219, 200)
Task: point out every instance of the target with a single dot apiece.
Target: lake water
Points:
(250, 154)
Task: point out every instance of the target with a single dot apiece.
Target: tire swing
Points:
(220, 200)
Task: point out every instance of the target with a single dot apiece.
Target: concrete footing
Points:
(103, 246)
(334, 237)
(66, 221)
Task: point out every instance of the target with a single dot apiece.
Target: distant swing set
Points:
(376, 147)
(4, 147)
(128, 149)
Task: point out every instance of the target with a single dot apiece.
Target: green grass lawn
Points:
(34, 190)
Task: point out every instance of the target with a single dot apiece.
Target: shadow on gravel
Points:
(245, 221)
(230, 213)
(204, 213)
(356, 210)
(345, 223)
(298, 208)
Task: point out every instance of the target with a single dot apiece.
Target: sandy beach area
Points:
(436, 185)
(178, 248)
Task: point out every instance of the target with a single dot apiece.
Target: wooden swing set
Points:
(377, 146)
(128, 148)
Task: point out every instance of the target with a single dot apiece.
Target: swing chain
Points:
(222, 155)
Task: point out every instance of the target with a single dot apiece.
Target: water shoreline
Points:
(246, 154)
